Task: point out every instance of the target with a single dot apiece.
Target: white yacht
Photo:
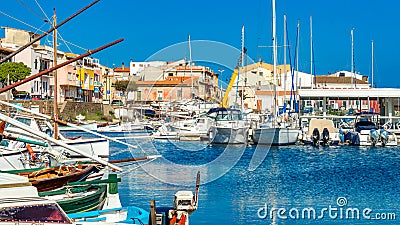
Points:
(228, 127)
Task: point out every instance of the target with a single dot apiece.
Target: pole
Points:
(372, 58)
(311, 55)
(55, 108)
(191, 70)
(53, 140)
(90, 52)
(284, 62)
(274, 47)
(45, 33)
(242, 55)
(352, 58)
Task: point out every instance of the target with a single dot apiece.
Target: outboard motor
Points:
(374, 136)
(315, 137)
(325, 137)
(384, 135)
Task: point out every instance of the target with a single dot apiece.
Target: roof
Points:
(6, 49)
(172, 80)
(350, 93)
(120, 69)
(338, 80)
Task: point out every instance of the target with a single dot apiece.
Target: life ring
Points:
(30, 150)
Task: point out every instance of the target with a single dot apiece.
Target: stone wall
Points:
(66, 109)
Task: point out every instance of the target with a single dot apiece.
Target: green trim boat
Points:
(73, 199)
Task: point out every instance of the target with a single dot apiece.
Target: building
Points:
(174, 81)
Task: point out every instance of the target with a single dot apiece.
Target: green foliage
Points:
(16, 71)
(123, 85)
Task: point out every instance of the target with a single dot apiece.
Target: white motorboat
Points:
(228, 127)
(366, 132)
(320, 132)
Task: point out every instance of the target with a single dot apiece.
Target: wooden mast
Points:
(55, 106)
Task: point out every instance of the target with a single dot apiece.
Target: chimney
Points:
(123, 66)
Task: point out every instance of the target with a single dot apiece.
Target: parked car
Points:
(116, 102)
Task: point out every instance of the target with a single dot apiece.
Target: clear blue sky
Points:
(149, 26)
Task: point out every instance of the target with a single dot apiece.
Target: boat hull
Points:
(229, 135)
(275, 136)
(78, 199)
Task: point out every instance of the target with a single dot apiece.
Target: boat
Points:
(267, 133)
(366, 132)
(195, 129)
(83, 196)
(73, 199)
(21, 204)
(321, 132)
(228, 127)
(52, 178)
(98, 147)
(278, 129)
(89, 126)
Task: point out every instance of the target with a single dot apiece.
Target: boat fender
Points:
(33, 156)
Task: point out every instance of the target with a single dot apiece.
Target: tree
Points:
(124, 85)
(15, 70)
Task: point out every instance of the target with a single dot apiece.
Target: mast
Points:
(284, 62)
(311, 55)
(352, 58)
(274, 47)
(297, 56)
(242, 56)
(55, 107)
(190, 65)
(372, 66)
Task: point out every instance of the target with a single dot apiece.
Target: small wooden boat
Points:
(82, 198)
(48, 179)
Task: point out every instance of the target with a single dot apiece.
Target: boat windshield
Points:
(49, 213)
(229, 115)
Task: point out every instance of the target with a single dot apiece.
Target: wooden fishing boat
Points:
(52, 178)
(82, 198)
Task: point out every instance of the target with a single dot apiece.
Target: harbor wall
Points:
(66, 109)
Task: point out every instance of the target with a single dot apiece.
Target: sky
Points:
(149, 28)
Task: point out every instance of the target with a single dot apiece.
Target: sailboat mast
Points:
(190, 64)
(274, 47)
(297, 56)
(311, 55)
(352, 57)
(284, 62)
(242, 59)
(372, 66)
(55, 91)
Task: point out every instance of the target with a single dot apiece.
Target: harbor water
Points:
(292, 185)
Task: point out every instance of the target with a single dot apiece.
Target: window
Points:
(160, 95)
(69, 76)
(139, 96)
(179, 94)
(261, 73)
(170, 74)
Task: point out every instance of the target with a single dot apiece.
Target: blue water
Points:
(291, 178)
